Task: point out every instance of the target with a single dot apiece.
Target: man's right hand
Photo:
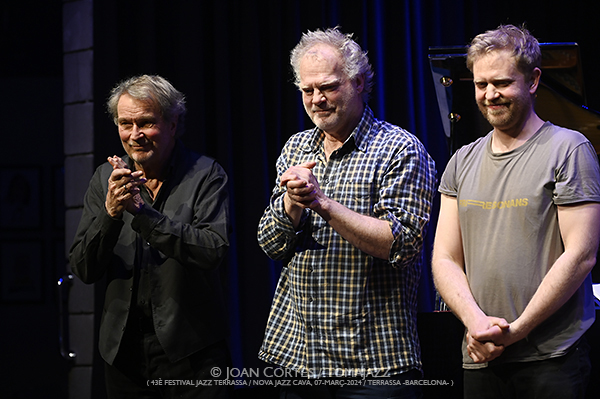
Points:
(482, 341)
(301, 189)
(123, 189)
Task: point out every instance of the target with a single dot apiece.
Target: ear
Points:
(173, 126)
(360, 83)
(535, 80)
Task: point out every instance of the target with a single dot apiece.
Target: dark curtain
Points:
(230, 58)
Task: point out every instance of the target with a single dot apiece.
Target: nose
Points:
(491, 93)
(136, 132)
(318, 97)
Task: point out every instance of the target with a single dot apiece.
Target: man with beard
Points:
(518, 233)
(155, 224)
(348, 213)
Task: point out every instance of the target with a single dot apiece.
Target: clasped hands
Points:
(302, 186)
(123, 189)
(487, 340)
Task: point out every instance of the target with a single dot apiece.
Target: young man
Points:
(518, 234)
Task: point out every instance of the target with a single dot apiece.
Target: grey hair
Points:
(170, 102)
(354, 60)
(524, 47)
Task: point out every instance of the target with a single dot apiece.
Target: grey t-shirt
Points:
(508, 218)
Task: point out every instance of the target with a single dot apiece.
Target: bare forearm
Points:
(371, 235)
(564, 278)
(451, 282)
(293, 210)
(580, 231)
(453, 286)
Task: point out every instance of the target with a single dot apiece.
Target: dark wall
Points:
(31, 198)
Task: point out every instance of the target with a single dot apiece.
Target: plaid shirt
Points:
(338, 311)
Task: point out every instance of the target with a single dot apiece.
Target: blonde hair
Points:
(523, 46)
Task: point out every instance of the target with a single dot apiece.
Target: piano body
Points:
(560, 98)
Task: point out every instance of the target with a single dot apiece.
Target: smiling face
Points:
(503, 95)
(146, 137)
(331, 100)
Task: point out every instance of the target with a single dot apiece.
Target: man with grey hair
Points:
(348, 213)
(518, 234)
(155, 224)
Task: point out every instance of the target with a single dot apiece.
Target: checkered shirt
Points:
(338, 311)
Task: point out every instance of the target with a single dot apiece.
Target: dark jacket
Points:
(182, 238)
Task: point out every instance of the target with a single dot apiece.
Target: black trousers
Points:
(564, 377)
(142, 370)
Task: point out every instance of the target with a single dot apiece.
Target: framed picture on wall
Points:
(20, 202)
(21, 271)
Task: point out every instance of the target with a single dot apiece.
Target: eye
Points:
(146, 123)
(125, 125)
(503, 83)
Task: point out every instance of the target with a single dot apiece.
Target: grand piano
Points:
(560, 99)
(561, 96)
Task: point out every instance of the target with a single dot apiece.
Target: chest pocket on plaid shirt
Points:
(358, 194)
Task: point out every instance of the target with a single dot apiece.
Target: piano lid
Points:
(560, 98)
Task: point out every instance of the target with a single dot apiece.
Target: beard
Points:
(326, 121)
(139, 155)
(509, 113)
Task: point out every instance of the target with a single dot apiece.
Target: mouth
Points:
(496, 107)
(322, 111)
(138, 146)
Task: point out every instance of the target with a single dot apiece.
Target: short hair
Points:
(354, 60)
(170, 102)
(524, 47)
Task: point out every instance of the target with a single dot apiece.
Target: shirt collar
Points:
(171, 164)
(359, 135)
